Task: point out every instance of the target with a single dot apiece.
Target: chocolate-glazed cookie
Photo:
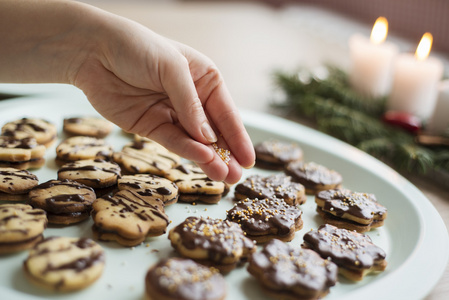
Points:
(183, 279)
(21, 226)
(81, 148)
(350, 210)
(65, 201)
(148, 185)
(146, 156)
(313, 177)
(194, 185)
(212, 242)
(15, 184)
(64, 263)
(21, 154)
(87, 126)
(128, 218)
(265, 219)
(275, 155)
(353, 252)
(292, 273)
(277, 186)
(42, 130)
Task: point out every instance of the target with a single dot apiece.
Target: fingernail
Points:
(249, 167)
(208, 133)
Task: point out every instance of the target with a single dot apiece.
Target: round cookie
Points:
(265, 219)
(275, 155)
(81, 148)
(65, 263)
(277, 186)
(291, 273)
(194, 185)
(146, 156)
(21, 153)
(313, 177)
(15, 184)
(21, 226)
(65, 201)
(128, 218)
(212, 242)
(96, 173)
(87, 126)
(148, 185)
(178, 278)
(350, 210)
(43, 131)
(353, 252)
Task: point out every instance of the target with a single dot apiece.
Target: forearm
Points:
(45, 41)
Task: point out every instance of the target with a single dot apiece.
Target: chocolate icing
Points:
(311, 174)
(184, 279)
(292, 268)
(361, 205)
(282, 152)
(258, 217)
(348, 249)
(13, 143)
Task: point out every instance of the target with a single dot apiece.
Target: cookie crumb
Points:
(222, 153)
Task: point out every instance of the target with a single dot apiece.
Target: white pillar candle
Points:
(439, 121)
(372, 61)
(415, 83)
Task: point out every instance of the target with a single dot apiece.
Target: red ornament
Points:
(403, 120)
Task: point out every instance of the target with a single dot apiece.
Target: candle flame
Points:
(424, 46)
(380, 31)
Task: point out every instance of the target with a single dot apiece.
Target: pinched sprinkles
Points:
(224, 154)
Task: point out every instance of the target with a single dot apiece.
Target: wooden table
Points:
(248, 41)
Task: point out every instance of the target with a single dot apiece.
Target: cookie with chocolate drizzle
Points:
(292, 273)
(21, 226)
(275, 155)
(65, 201)
(42, 130)
(350, 210)
(277, 186)
(65, 264)
(148, 185)
(313, 177)
(15, 184)
(194, 185)
(146, 156)
(21, 154)
(265, 219)
(87, 126)
(183, 279)
(353, 252)
(128, 218)
(81, 148)
(212, 242)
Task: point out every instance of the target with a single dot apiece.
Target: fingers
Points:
(178, 83)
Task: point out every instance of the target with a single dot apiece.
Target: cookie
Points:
(148, 185)
(212, 242)
(21, 226)
(65, 201)
(42, 130)
(275, 155)
(146, 156)
(353, 252)
(87, 126)
(128, 218)
(65, 264)
(178, 278)
(313, 177)
(350, 210)
(194, 185)
(277, 186)
(265, 219)
(15, 184)
(82, 148)
(291, 273)
(21, 153)
(96, 173)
